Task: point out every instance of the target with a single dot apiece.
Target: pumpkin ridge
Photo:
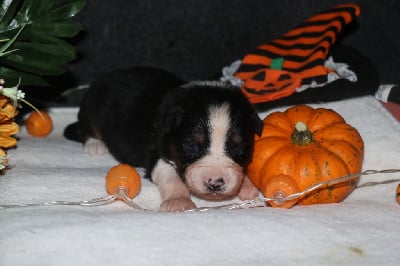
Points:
(302, 113)
(282, 145)
(323, 117)
(275, 165)
(355, 153)
(330, 133)
(333, 124)
(276, 153)
(312, 161)
(279, 120)
(329, 152)
(328, 194)
(314, 130)
(271, 130)
(261, 154)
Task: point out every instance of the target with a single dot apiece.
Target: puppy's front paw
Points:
(248, 191)
(94, 147)
(177, 205)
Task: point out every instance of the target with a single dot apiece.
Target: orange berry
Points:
(123, 176)
(39, 125)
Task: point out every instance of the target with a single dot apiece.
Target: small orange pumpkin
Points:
(303, 146)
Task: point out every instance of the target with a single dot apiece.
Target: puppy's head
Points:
(208, 135)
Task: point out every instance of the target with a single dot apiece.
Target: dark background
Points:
(195, 38)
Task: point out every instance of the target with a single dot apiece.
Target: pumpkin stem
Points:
(301, 136)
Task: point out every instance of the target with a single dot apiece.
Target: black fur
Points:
(183, 129)
(144, 114)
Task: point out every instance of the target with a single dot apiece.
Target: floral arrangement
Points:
(33, 47)
(8, 111)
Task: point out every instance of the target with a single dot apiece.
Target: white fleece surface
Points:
(362, 230)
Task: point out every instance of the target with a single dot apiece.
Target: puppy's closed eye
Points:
(195, 145)
(237, 147)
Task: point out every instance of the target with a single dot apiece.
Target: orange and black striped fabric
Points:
(274, 70)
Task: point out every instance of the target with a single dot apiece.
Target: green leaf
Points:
(7, 12)
(36, 65)
(40, 49)
(22, 17)
(9, 43)
(37, 10)
(65, 11)
(51, 51)
(55, 41)
(63, 29)
(12, 77)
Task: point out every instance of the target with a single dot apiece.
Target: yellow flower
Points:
(3, 159)
(6, 130)
(7, 110)
(7, 125)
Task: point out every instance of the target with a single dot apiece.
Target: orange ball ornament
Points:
(279, 187)
(398, 194)
(123, 176)
(301, 147)
(39, 124)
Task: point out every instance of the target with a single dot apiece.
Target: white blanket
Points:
(362, 230)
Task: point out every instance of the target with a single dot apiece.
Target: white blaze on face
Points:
(216, 165)
(219, 126)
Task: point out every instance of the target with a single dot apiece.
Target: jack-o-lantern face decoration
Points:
(269, 84)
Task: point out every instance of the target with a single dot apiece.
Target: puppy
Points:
(195, 138)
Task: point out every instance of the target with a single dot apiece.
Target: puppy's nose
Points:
(215, 184)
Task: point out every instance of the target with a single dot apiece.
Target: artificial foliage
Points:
(33, 39)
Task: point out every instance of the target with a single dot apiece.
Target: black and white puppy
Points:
(195, 138)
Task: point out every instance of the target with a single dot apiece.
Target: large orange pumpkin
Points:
(303, 146)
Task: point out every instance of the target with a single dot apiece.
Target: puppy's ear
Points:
(169, 119)
(258, 124)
